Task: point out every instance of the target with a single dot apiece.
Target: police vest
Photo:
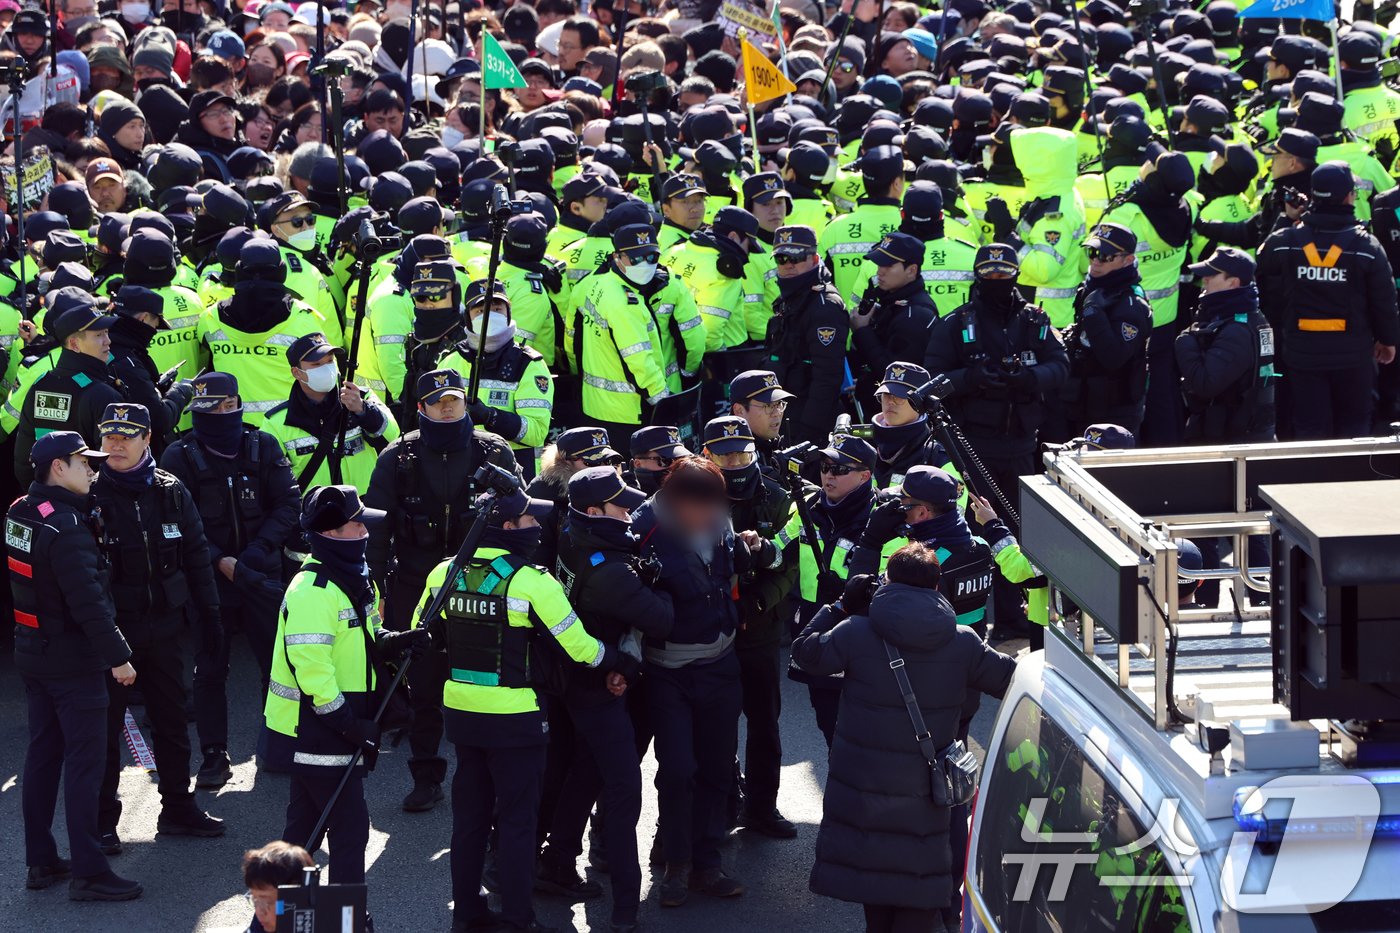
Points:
(965, 576)
(147, 566)
(28, 524)
(1006, 411)
(835, 553)
(1228, 416)
(1159, 263)
(422, 521)
(483, 648)
(228, 501)
(947, 272)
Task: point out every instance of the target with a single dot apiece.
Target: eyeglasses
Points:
(845, 67)
(784, 260)
(217, 112)
(260, 903)
(837, 469)
(646, 257)
(297, 223)
(770, 408)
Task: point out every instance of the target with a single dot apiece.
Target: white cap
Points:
(433, 57)
(548, 39)
(430, 95)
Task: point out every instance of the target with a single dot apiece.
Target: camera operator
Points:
(1107, 343)
(1003, 359)
(612, 592)
(837, 512)
(758, 509)
(903, 434)
(423, 480)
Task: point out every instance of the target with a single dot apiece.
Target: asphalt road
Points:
(193, 884)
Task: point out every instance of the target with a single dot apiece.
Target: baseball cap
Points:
(1112, 238)
(211, 389)
(1207, 113)
(311, 347)
(1109, 437)
(1226, 259)
(1332, 182)
(226, 45)
(125, 418)
(98, 169)
(794, 240)
(1295, 142)
(328, 507)
(131, 300)
(60, 445)
(928, 484)
(994, 258)
(897, 248)
(901, 379)
(923, 202)
(476, 293)
(588, 444)
(680, 185)
(728, 435)
(595, 486)
(849, 450)
(882, 163)
(435, 385)
(661, 439)
(757, 385)
(583, 185)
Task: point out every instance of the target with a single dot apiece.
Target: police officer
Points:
(903, 436)
(437, 327)
(653, 450)
(1371, 108)
(682, 209)
(756, 396)
(535, 285)
(804, 168)
(73, 395)
(1107, 344)
(307, 423)
(423, 480)
(947, 263)
(895, 313)
(241, 482)
(516, 397)
(759, 508)
(807, 335)
(612, 593)
(1004, 360)
(67, 646)
(152, 262)
(1292, 158)
(573, 450)
(289, 219)
(835, 513)
(154, 540)
(584, 202)
(493, 713)
(711, 264)
(1226, 356)
(138, 313)
(321, 699)
(846, 240)
(1330, 295)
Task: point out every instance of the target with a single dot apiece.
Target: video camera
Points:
(12, 72)
(643, 84)
(798, 457)
(333, 66)
(494, 479)
(930, 395)
(503, 205)
(377, 235)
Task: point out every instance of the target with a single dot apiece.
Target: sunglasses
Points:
(646, 257)
(1105, 255)
(784, 260)
(837, 469)
(845, 67)
(296, 223)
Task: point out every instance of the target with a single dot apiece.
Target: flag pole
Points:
(1337, 62)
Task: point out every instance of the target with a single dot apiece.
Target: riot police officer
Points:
(1226, 356)
(1330, 292)
(653, 450)
(1107, 344)
(611, 591)
(756, 396)
(67, 645)
(242, 484)
(73, 395)
(154, 539)
(895, 312)
(806, 339)
(320, 700)
(759, 508)
(493, 713)
(424, 481)
(139, 313)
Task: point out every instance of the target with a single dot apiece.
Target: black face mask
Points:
(520, 542)
(648, 481)
(742, 483)
(996, 293)
(260, 75)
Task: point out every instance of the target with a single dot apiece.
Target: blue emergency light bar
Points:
(1271, 830)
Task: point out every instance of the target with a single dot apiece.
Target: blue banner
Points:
(1320, 10)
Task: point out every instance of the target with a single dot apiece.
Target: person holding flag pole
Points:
(762, 80)
(1319, 10)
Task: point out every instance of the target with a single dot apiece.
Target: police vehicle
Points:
(1162, 767)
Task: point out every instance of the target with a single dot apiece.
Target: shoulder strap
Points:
(911, 703)
(499, 571)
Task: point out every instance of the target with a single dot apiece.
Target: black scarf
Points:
(998, 297)
(135, 480)
(311, 416)
(850, 513)
(444, 436)
(518, 542)
(1215, 306)
(219, 432)
(1116, 281)
(795, 287)
(344, 560)
(600, 529)
(256, 306)
(946, 530)
(893, 440)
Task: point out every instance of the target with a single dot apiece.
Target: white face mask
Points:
(397, 10)
(322, 378)
(499, 331)
(987, 158)
(830, 175)
(640, 273)
(451, 136)
(303, 239)
(136, 12)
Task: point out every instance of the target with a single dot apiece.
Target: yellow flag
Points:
(762, 78)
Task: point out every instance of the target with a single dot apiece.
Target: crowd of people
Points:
(297, 299)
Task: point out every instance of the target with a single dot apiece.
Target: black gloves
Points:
(999, 216)
(855, 599)
(985, 375)
(390, 646)
(627, 666)
(482, 415)
(829, 586)
(364, 734)
(1021, 378)
(181, 393)
(883, 525)
(552, 276)
(649, 570)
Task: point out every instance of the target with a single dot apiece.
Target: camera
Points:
(494, 479)
(331, 65)
(928, 396)
(377, 236)
(12, 72)
(798, 456)
(508, 152)
(643, 84)
(503, 204)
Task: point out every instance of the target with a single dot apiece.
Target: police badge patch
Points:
(1129, 332)
(1052, 237)
(542, 383)
(825, 335)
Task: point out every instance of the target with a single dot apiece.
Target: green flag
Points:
(497, 69)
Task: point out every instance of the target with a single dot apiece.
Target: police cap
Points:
(681, 185)
(794, 240)
(664, 440)
(848, 450)
(757, 385)
(72, 311)
(590, 445)
(326, 508)
(312, 348)
(764, 187)
(996, 258)
(438, 384)
(1109, 437)
(928, 484)
(1229, 260)
(60, 445)
(728, 435)
(897, 247)
(594, 487)
(125, 418)
(1298, 143)
(211, 389)
(901, 379)
(1111, 240)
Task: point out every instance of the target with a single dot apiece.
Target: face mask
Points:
(648, 481)
(742, 483)
(987, 156)
(996, 292)
(640, 273)
(451, 136)
(105, 83)
(830, 175)
(499, 332)
(136, 12)
(221, 431)
(303, 240)
(445, 435)
(322, 378)
(259, 75)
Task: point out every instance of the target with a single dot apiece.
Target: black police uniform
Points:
(899, 448)
(154, 539)
(611, 592)
(902, 319)
(425, 485)
(1385, 224)
(242, 485)
(806, 341)
(66, 643)
(131, 365)
(593, 446)
(1329, 293)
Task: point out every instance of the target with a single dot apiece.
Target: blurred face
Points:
(896, 410)
(571, 50)
(770, 215)
(391, 120)
(901, 59)
(895, 276)
(276, 21)
(264, 900)
(788, 269)
(218, 121)
(108, 194)
(765, 418)
(310, 131)
(593, 207)
(132, 135)
(448, 407)
(687, 212)
(839, 480)
(696, 517)
(94, 343)
(259, 129)
(125, 452)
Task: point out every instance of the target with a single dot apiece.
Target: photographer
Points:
(877, 810)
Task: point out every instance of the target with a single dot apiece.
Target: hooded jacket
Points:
(882, 839)
(1051, 226)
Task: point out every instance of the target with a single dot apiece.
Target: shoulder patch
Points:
(45, 508)
(825, 335)
(1129, 332)
(19, 536)
(52, 406)
(542, 383)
